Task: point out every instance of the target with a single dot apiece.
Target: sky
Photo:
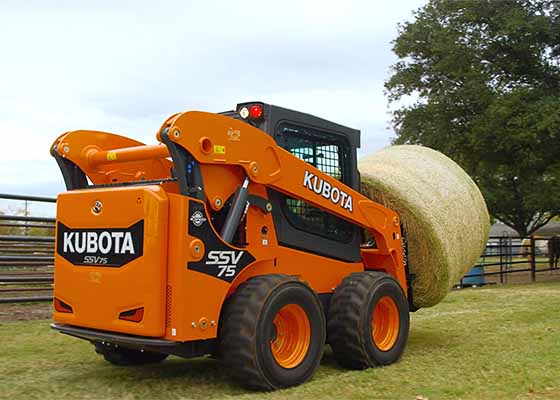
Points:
(124, 66)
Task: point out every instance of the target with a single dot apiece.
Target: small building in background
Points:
(502, 235)
(501, 229)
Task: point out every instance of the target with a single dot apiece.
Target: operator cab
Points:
(329, 147)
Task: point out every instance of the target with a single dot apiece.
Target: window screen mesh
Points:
(323, 157)
(328, 153)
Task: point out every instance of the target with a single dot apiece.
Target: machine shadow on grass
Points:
(207, 374)
(198, 368)
(195, 369)
(174, 374)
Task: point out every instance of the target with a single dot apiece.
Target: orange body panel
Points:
(99, 294)
(197, 297)
(182, 304)
(192, 297)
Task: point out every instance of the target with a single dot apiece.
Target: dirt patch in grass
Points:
(25, 311)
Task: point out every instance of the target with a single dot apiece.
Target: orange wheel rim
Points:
(293, 336)
(385, 323)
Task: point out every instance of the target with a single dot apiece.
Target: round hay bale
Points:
(443, 212)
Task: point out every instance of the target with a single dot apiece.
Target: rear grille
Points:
(168, 294)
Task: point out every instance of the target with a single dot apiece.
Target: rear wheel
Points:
(368, 320)
(272, 333)
(123, 356)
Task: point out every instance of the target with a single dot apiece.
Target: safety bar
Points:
(127, 154)
(27, 198)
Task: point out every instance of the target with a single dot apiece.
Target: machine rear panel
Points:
(111, 257)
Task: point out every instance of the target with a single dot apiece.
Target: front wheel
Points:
(272, 333)
(368, 320)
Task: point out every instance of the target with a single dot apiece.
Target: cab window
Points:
(329, 153)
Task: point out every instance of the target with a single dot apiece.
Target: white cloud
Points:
(124, 66)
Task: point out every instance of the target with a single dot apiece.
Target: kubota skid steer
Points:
(238, 235)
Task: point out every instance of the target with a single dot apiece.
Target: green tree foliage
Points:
(480, 81)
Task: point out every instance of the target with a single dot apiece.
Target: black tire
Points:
(248, 332)
(350, 319)
(124, 357)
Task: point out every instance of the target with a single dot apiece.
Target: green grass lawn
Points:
(487, 343)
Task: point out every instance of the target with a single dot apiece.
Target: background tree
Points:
(480, 82)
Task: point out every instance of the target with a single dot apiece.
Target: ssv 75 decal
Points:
(111, 247)
(226, 260)
(221, 260)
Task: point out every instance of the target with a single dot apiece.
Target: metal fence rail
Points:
(26, 261)
(28, 299)
(24, 197)
(516, 259)
(23, 218)
(23, 239)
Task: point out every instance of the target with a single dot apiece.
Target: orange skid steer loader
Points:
(240, 235)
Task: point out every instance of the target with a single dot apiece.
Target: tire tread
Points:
(240, 312)
(345, 319)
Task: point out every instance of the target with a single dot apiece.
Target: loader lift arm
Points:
(198, 140)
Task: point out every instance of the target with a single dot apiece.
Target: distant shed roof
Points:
(501, 229)
(552, 228)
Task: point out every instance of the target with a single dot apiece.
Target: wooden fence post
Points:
(532, 260)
